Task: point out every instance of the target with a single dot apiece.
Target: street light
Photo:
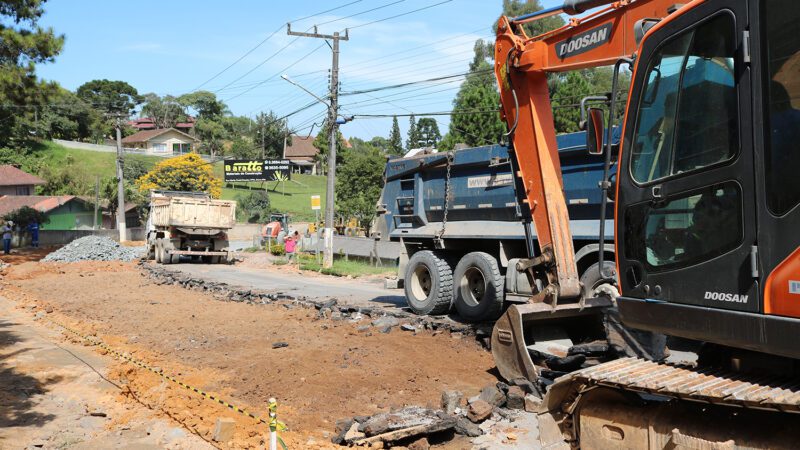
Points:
(331, 181)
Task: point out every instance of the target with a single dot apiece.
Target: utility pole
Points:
(333, 114)
(96, 200)
(120, 184)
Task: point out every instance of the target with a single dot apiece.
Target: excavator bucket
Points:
(524, 328)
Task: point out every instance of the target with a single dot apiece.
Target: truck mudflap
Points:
(510, 348)
(636, 402)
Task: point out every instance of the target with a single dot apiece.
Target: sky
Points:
(178, 46)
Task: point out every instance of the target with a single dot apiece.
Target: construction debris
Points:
(95, 248)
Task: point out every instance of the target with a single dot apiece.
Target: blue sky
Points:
(173, 47)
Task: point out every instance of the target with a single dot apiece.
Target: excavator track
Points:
(668, 385)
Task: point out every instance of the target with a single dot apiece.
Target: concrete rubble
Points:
(498, 416)
(95, 248)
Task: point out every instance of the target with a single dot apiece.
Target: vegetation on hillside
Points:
(187, 172)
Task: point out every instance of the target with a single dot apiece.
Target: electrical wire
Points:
(360, 13)
(399, 15)
(411, 83)
(270, 37)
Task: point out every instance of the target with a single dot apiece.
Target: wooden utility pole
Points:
(121, 226)
(333, 114)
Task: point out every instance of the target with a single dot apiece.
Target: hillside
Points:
(293, 197)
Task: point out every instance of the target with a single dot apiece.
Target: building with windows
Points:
(162, 141)
(14, 181)
(147, 123)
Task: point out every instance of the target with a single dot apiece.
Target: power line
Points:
(359, 13)
(400, 15)
(277, 73)
(270, 37)
(410, 83)
(439, 113)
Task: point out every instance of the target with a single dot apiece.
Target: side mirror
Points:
(594, 131)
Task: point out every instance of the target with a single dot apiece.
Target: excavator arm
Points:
(521, 67)
(522, 64)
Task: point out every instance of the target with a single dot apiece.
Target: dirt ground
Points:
(329, 370)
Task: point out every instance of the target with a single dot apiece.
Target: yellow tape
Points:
(273, 423)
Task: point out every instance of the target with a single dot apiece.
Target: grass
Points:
(293, 197)
(95, 163)
(342, 267)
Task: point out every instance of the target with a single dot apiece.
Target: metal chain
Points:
(450, 156)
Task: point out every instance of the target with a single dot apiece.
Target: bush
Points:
(253, 207)
(277, 249)
(26, 215)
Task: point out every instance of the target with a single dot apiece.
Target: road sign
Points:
(257, 170)
(315, 202)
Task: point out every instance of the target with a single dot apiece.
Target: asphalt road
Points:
(347, 291)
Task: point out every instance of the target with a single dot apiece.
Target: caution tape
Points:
(273, 423)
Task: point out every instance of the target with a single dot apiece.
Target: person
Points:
(33, 228)
(290, 245)
(7, 234)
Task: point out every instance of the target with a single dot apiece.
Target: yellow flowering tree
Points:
(183, 173)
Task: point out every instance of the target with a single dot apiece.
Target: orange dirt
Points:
(330, 370)
(19, 256)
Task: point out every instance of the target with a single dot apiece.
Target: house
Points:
(132, 219)
(147, 123)
(16, 182)
(162, 140)
(301, 152)
(66, 212)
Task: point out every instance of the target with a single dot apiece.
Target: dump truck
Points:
(706, 200)
(463, 230)
(189, 224)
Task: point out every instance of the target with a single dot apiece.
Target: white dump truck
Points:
(189, 224)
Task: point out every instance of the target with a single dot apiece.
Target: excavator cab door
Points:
(686, 210)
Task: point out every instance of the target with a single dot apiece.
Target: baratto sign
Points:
(257, 170)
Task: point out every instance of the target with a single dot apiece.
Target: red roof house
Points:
(16, 182)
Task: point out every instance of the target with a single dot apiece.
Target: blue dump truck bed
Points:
(483, 202)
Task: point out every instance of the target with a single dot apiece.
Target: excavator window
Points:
(688, 119)
(686, 229)
(783, 104)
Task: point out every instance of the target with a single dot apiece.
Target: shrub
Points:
(277, 249)
(253, 207)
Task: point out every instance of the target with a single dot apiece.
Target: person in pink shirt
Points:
(290, 245)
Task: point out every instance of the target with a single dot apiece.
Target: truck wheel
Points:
(478, 287)
(429, 283)
(214, 259)
(591, 278)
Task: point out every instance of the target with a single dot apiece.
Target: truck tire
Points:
(478, 287)
(429, 283)
(591, 278)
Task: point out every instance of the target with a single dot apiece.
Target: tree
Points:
(25, 216)
(23, 45)
(212, 135)
(244, 149)
(269, 134)
(321, 144)
(68, 178)
(107, 96)
(475, 124)
(358, 183)
(569, 92)
(109, 193)
(412, 141)
(381, 143)
(428, 131)
(254, 206)
(395, 140)
(205, 103)
(183, 173)
(165, 111)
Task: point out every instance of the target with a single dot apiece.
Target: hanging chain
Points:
(440, 234)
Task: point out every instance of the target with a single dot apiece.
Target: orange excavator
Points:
(706, 199)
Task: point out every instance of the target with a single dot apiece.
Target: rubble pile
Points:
(95, 248)
(481, 417)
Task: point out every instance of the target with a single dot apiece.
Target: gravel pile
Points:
(95, 248)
